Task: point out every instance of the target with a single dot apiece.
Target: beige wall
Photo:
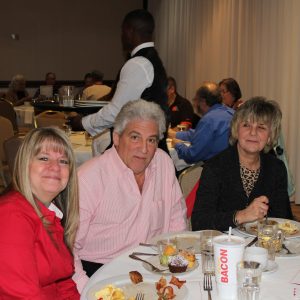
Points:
(67, 37)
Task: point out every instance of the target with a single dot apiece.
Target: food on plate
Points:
(175, 281)
(168, 250)
(110, 292)
(288, 228)
(166, 292)
(177, 264)
(189, 255)
(162, 282)
(135, 277)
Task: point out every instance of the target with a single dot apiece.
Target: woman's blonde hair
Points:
(258, 109)
(67, 200)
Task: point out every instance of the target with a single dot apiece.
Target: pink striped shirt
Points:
(115, 215)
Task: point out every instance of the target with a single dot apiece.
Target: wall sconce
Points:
(15, 36)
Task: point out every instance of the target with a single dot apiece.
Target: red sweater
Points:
(32, 264)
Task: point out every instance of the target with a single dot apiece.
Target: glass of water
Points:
(207, 250)
(248, 278)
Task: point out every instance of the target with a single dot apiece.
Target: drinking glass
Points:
(207, 250)
(248, 278)
(270, 237)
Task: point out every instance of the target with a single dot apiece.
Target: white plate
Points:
(183, 240)
(154, 260)
(91, 102)
(271, 267)
(293, 246)
(250, 232)
(147, 287)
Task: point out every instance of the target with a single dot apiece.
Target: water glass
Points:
(248, 278)
(207, 250)
(270, 237)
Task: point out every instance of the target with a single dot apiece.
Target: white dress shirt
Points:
(136, 75)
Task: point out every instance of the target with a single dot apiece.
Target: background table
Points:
(84, 110)
(82, 151)
(274, 286)
(25, 115)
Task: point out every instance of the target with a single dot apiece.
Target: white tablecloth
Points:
(81, 150)
(274, 286)
(25, 115)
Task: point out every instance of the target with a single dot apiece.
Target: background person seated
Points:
(181, 109)
(244, 183)
(50, 79)
(17, 93)
(230, 93)
(88, 81)
(129, 194)
(211, 134)
(97, 89)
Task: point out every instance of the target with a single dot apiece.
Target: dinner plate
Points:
(293, 246)
(183, 240)
(250, 231)
(154, 260)
(147, 287)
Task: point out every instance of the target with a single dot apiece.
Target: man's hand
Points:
(171, 133)
(176, 141)
(75, 122)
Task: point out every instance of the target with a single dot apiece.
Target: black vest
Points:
(157, 92)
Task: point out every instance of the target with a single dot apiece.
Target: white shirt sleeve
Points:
(136, 75)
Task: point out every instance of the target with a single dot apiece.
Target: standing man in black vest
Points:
(142, 76)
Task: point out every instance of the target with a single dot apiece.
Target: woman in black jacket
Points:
(243, 183)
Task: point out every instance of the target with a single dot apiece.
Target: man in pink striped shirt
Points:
(129, 194)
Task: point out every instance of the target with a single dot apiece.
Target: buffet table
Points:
(274, 286)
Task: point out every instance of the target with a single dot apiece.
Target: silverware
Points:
(287, 249)
(252, 242)
(154, 268)
(139, 296)
(142, 253)
(148, 245)
(207, 285)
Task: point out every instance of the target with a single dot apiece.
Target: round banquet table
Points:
(84, 110)
(274, 286)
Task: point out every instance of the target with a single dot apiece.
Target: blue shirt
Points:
(208, 138)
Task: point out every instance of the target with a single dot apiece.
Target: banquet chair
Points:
(188, 179)
(100, 142)
(6, 132)
(11, 147)
(50, 118)
(7, 111)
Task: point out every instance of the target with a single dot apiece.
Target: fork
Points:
(207, 285)
(139, 296)
(153, 268)
(287, 249)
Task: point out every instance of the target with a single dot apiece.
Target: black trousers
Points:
(90, 267)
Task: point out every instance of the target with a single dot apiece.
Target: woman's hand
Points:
(257, 209)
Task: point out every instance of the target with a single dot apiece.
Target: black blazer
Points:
(221, 192)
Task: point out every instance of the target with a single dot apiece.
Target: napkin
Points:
(296, 279)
